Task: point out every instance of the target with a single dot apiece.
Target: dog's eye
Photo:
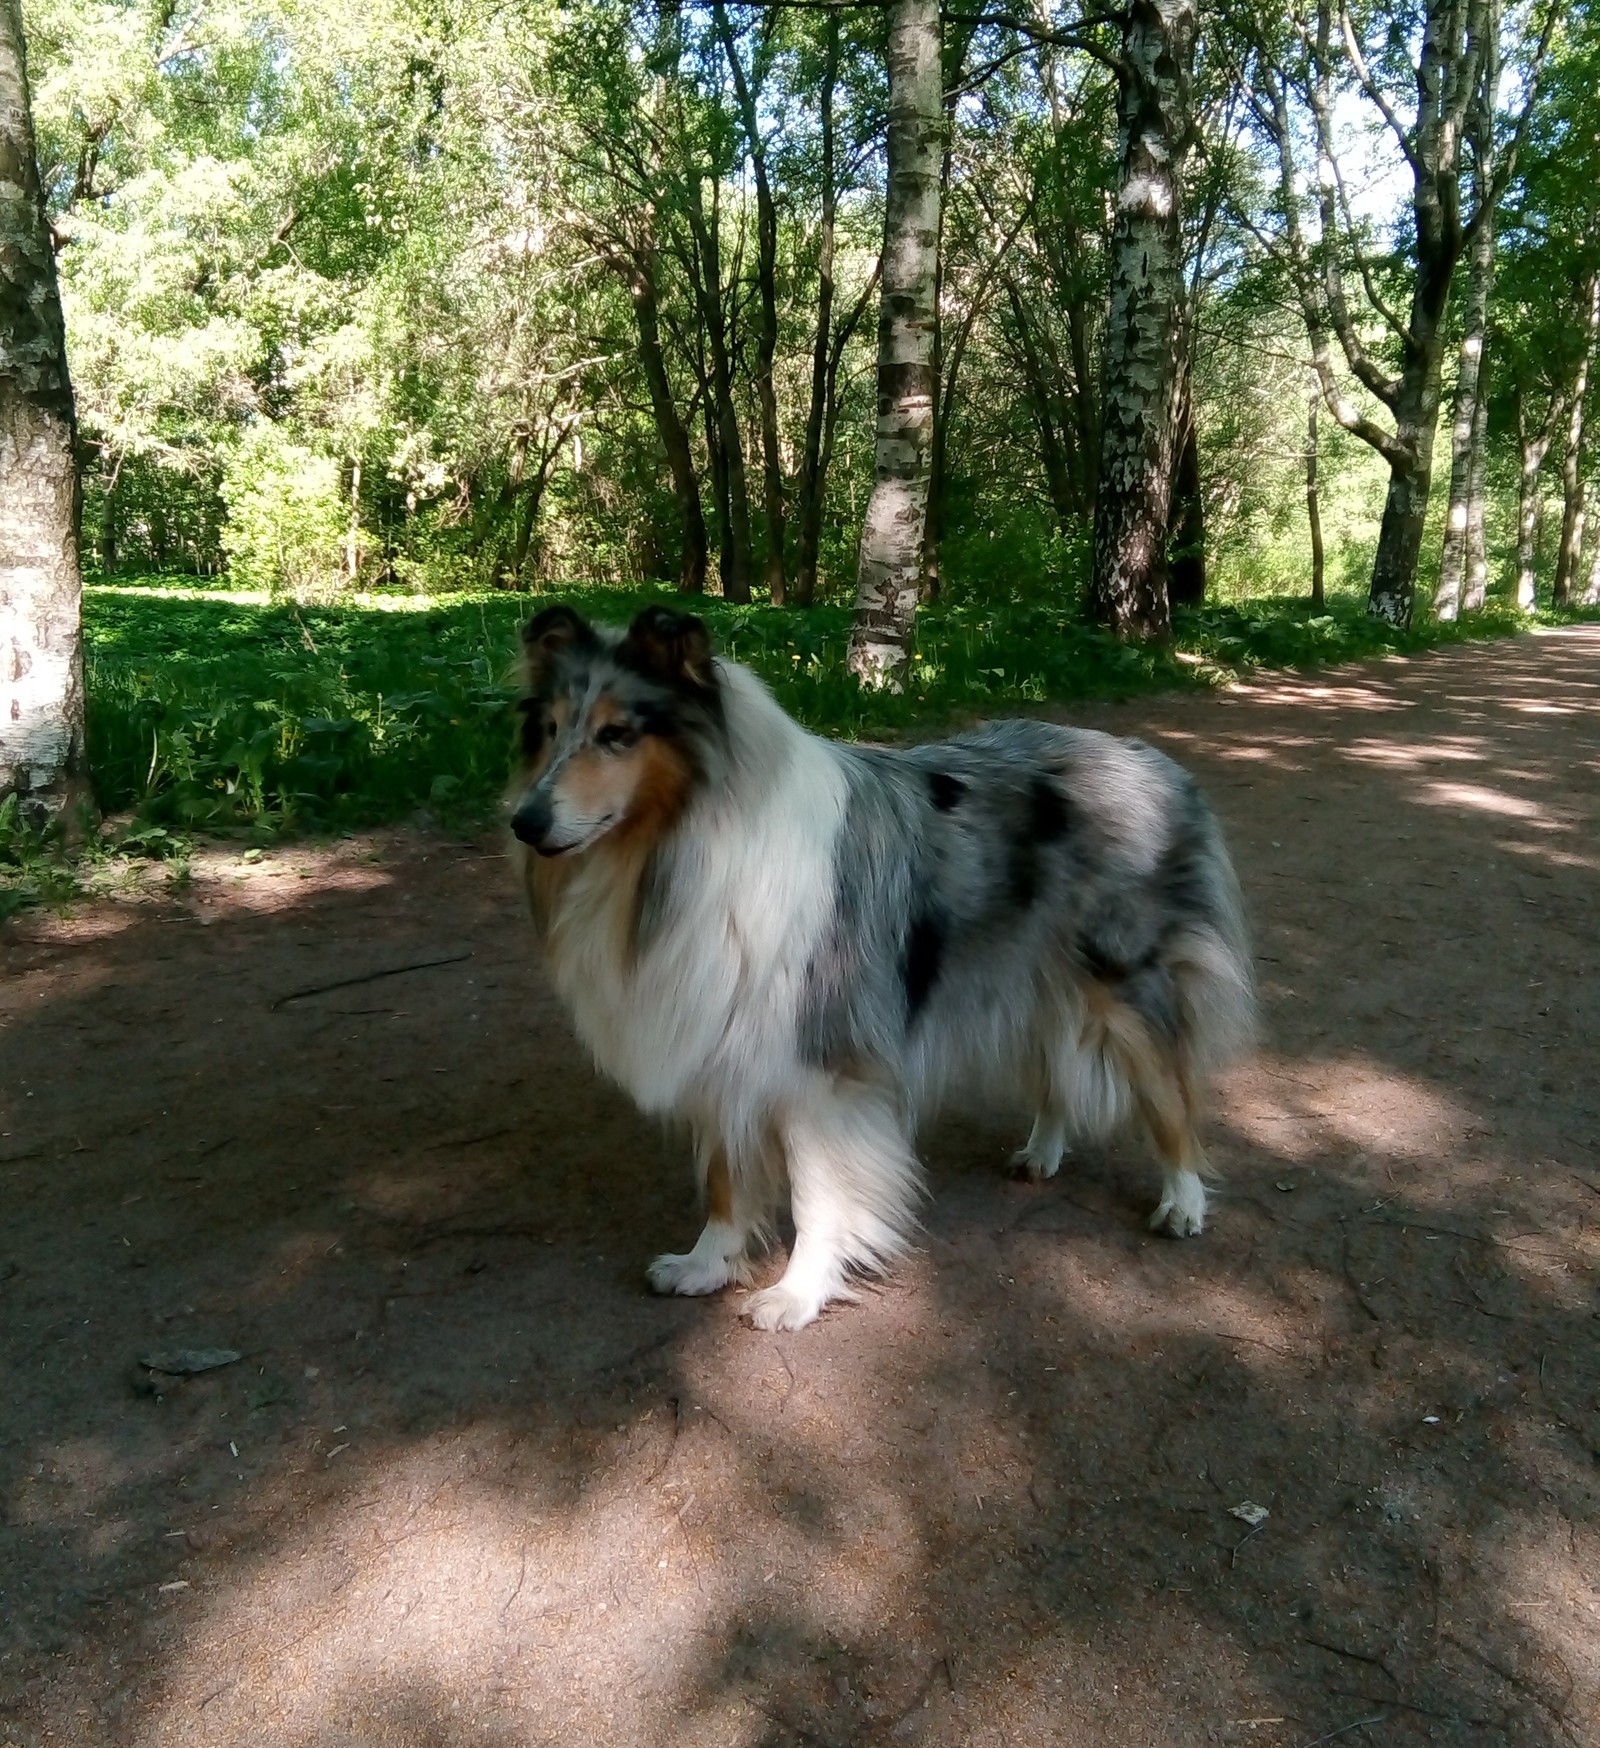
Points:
(616, 737)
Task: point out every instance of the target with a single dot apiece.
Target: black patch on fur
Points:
(1150, 992)
(1049, 812)
(1098, 962)
(945, 790)
(924, 950)
(533, 727)
(1022, 874)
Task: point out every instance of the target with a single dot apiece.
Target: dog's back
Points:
(991, 888)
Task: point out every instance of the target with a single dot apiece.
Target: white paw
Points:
(1025, 1164)
(696, 1273)
(780, 1307)
(1181, 1212)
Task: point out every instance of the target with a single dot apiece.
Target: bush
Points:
(285, 516)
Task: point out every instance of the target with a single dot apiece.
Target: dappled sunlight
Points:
(1485, 800)
(1321, 695)
(1296, 1108)
(1547, 853)
(470, 1487)
(1411, 755)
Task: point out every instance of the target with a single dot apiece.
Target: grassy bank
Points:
(210, 712)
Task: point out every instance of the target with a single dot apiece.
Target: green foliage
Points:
(207, 713)
(285, 516)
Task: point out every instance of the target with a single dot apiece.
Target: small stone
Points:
(182, 1361)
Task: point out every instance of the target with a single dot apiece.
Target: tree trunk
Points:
(42, 757)
(352, 543)
(1392, 591)
(812, 477)
(890, 566)
(108, 524)
(1476, 591)
(1128, 591)
(1319, 598)
(721, 407)
(1061, 478)
(1532, 446)
(767, 330)
(1591, 589)
(669, 425)
(1466, 427)
(1570, 551)
(1186, 526)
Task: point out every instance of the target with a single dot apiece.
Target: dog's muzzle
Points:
(532, 822)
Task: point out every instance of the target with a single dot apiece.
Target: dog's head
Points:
(615, 725)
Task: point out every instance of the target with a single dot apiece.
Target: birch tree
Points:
(41, 652)
(1155, 69)
(889, 570)
(1463, 571)
(1423, 106)
(1569, 552)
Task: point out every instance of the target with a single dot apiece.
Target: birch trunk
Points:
(1569, 552)
(812, 467)
(1532, 446)
(1476, 591)
(1128, 590)
(890, 566)
(1466, 428)
(1591, 589)
(41, 587)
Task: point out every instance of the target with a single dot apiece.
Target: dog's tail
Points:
(1207, 953)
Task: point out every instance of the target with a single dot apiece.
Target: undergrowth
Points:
(209, 715)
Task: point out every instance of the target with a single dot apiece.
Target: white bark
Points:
(1570, 549)
(41, 657)
(1477, 584)
(889, 570)
(1467, 427)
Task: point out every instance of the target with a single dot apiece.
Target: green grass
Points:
(209, 715)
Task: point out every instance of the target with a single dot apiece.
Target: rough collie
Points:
(802, 948)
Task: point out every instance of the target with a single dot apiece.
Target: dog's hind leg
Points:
(1168, 1112)
(720, 1253)
(1162, 1096)
(854, 1186)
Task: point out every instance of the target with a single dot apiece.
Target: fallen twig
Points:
(1345, 1729)
(369, 977)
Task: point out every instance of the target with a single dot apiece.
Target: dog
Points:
(803, 948)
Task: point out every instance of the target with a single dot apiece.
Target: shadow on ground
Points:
(470, 1486)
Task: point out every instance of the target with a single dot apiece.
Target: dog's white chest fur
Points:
(702, 1013)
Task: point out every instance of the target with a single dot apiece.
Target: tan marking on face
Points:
(645, 787)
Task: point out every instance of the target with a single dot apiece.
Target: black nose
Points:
(532, 820)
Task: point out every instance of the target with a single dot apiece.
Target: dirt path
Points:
(471, 1486)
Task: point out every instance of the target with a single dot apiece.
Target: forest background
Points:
(381, 304)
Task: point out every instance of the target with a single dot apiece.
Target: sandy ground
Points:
(471, 1485)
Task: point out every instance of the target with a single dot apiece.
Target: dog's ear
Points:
(551, 634)
(674, 647)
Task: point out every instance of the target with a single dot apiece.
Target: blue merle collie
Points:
(802, 948)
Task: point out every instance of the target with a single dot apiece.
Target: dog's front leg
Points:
(854, 1186)
(720, 1254)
